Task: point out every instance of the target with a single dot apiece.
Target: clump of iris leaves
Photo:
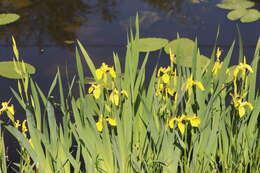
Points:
(196, 115)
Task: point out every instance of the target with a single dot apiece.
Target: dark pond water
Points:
(101, 25)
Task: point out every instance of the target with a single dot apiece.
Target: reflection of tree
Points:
(56, 19)
(169, 6)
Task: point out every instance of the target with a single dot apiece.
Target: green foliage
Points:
(125, 125)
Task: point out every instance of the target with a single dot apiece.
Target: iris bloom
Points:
(95, 90)
(124, 93)
(114, 97)
(240, 106)
(194, 121)
(165, 77)
(218, 64)
(99, 124)
(111, 121)
(180, 124)
(17, 124)
(7, 108)
(101, 72)
(241, 68)
(24, 128)
(190, 83)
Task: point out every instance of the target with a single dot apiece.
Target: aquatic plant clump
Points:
(188, 117)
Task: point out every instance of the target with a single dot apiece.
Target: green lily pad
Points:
(150, 44)
(251, 16)
(237, 14)
(8, 18)
(7, 69)
(185, 48)
(235, 4)
(184, 45)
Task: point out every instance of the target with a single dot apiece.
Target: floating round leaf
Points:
(8, 18)
(8, 69)
(236, 14)
(235, 4)
(251, 16)
(150, 44)
(184, 47)
(202, 61)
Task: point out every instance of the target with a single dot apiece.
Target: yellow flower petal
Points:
(97, 92)
(165, 78)
(199, 85)
(171, 122)
(194, 121)
(111, 121)
(11, 109)
(181, 127)
(17, 124)
(218, 54)
(112, 72)
(124, 92)
(241, 111)
(24, 128)
(6, 107)
(99, 74)
(99, 125)
(114, 97)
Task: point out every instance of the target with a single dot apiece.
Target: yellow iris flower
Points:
(240, 106)
(95, 90)
(180, 124)
(217, 66)
(24, 128)
(99, 124)
(7, 108)
(124, 92)
(114, 97)
(194, 121)
(101, 72)
(111, 121)
(191, 83)
(17, 124)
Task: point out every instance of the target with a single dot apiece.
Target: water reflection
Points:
(54, 20)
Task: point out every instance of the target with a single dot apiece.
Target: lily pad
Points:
(237, 14)
(251, 16)
(185, 48)
(8, 18)
(150, 44)
(236, 4)
(184, 45)
(7, 69)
